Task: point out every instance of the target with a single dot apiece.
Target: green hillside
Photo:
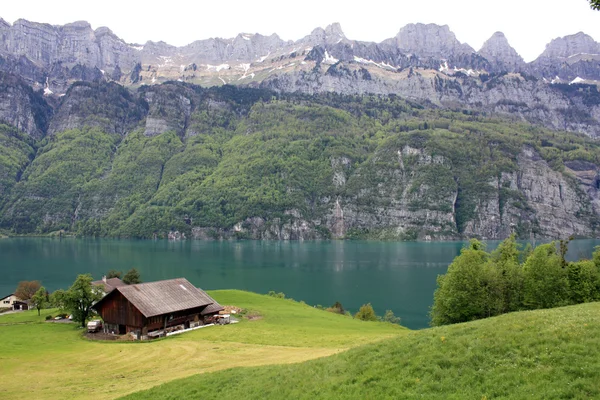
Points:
(57, 362)
(544, 354)
(244, 163)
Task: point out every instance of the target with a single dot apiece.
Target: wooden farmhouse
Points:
(154, 308)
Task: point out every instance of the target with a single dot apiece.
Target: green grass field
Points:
(544, 354)
(296, 351)
(54, 361)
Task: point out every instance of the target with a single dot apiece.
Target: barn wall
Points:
(118, 310)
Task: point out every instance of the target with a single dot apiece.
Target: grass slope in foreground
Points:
(52, 360)
(543, 354)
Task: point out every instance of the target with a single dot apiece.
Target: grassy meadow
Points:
(53, 360)
(542, 354)
(291, 350)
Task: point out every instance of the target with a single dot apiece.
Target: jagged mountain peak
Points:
(332, 34)
(421, 26)
(500, 53)
(335, 29)
(105, 31)
(497, 37)
(430, 40)
(78, 25)
(566, 46)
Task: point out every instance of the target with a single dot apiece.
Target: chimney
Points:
(104, 279)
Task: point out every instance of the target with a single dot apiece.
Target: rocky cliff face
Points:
(23, 108)
(567, 46)
(108, 106)
(534, 199)
(573, 57)
(69, 45)
(243, 163)
(50, 58)
(555, 106)
(428, 40)
(61, 48)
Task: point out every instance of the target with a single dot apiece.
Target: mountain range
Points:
(423, 62)
(416, 137)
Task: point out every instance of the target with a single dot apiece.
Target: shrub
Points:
(390, 317)
(48, 317)
(366, 313)
(337, 308)
(279, 295)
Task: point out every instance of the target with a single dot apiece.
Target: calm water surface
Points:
(389, 275)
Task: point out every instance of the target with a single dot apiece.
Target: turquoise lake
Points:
(389, 275)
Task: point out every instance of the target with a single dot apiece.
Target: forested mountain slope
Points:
(247, 163)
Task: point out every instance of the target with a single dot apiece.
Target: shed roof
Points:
(163, 297)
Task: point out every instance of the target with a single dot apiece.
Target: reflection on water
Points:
(389, 275)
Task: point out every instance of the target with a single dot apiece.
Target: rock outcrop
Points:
(107, 106)
(23, 108)
(429, 40)
(244, 163)
(571, 45)
(567, 59)
(560, 107)
(501, 55)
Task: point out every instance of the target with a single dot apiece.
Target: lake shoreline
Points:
(399, 276)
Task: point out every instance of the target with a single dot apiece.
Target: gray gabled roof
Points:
(110, 284)
(212, 308)
(163, 297)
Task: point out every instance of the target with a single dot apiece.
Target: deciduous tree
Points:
(544, 278)
(390, 317)
(58, 299)
(132, 277)
(40, 299)
(505, 263)
(583, 278)
(366, 313)
(80, 298)
(595, 4)
(26, 289)
(113, 273)
(462, 293)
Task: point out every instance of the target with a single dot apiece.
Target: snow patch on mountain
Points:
(577, 80)
(217, 67)
(329, 59)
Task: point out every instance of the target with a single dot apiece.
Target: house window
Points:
(6, 301)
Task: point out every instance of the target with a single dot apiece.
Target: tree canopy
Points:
(595, 4)
(79, 299)
(40, 299)
(113, 273)
(366, 313)
(26, 289)
(480, 284)
(132, 277)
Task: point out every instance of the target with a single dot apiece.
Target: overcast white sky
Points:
(528, 24)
